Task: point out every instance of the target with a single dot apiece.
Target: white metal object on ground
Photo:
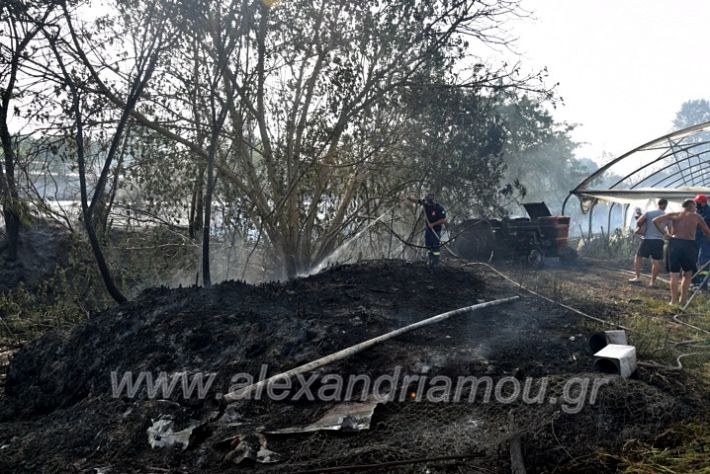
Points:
(616, 358)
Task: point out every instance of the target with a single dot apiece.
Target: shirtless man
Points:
(683, 251)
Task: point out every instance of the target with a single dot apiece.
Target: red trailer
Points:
(530, 239)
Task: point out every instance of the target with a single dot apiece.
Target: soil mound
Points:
(232, 328)
(59, 404)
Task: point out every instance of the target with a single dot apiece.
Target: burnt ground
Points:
(58, 413)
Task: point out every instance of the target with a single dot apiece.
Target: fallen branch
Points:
(347, 352)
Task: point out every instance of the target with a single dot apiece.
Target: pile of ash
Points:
(60, 408)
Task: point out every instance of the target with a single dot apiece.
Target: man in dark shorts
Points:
(701, 202)
(652, 243)
(435, 218)
(682, 251)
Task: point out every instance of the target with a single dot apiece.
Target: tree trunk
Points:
(114, 184)
(206, 277)
(12, 226)
(291, 261)
(196, 221)
(214, 142)
(8, 191)
(10, 206)
(85, 209)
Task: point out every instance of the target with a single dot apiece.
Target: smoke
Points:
(232, 259)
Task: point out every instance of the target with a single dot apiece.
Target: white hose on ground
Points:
(705, 265)
(690, 342)
(535, 293)
(349, 351)
(654, 365)
(675, 318)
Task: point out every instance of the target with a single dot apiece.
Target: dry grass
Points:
(661, 334)
(683, 448)
(660, 338)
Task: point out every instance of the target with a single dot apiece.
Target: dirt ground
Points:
(58, 412)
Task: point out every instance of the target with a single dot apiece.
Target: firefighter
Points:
(435, 218)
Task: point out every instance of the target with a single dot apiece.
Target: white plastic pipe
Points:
(347, 352)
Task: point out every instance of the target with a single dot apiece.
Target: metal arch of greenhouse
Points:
(682, 170)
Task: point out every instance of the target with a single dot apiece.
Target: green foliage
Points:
(621, 244)
(156, 176)
(141, 259)
(453, 146)
(58, 302)
(152, 256)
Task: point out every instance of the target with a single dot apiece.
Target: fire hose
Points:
(705, 280)
(445, 243)
(679, 365)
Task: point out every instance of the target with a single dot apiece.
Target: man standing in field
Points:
(701, 201)
(682, 250)
(651, 243)
(435, 218)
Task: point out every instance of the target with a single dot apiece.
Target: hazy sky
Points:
(624, 66)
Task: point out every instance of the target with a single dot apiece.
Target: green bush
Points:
(61, 301)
